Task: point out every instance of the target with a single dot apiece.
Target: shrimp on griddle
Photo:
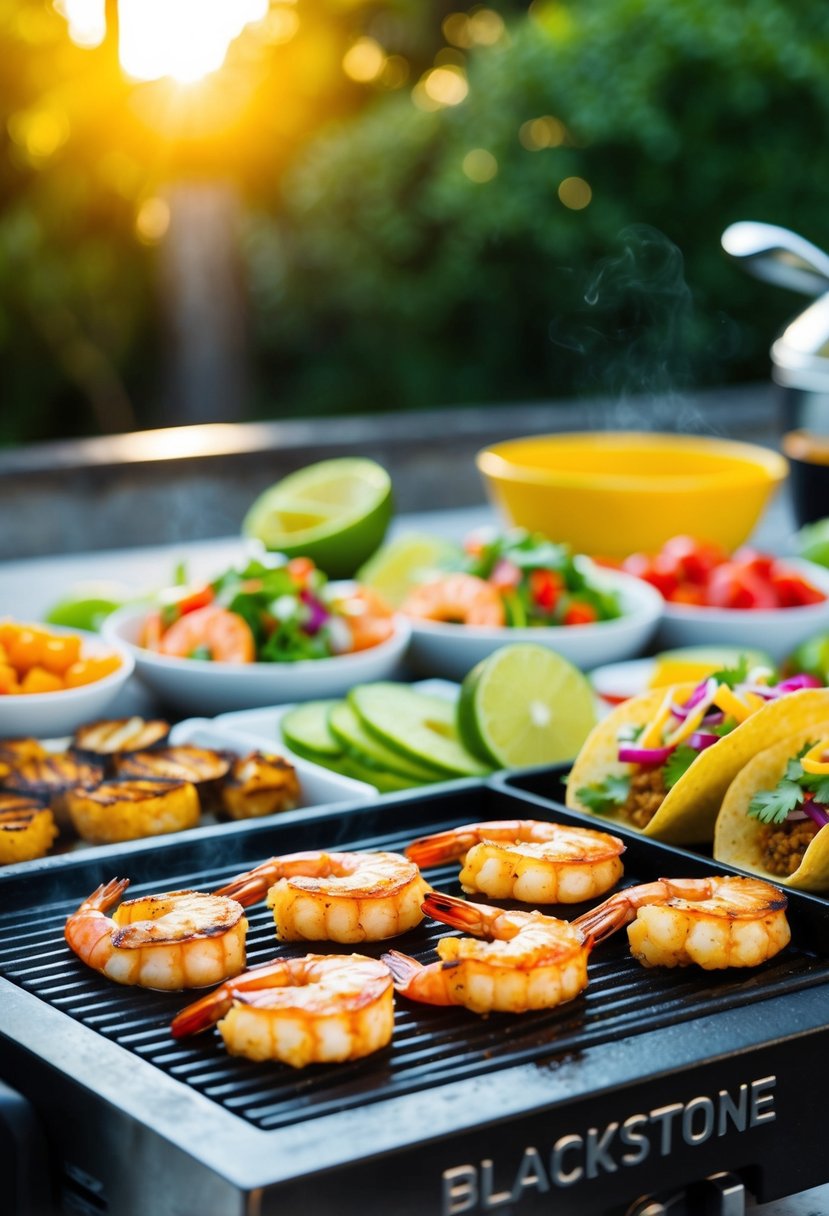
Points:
(335, 897)
(181, 939)
(713, 922)
(320, 1009)
(530, 961)
(529, 860)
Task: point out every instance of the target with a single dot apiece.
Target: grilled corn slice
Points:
(27, 828)
(115, 736)
(201, 766)
(127, 810)
(260, 784)
(49, 777)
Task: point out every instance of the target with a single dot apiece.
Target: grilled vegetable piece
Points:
(126, 810)
(27, 828)
(115, 736)
(260, 784)
(50, 776)
(14, 751)
(201, 766)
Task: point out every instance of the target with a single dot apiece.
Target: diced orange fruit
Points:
(59, 653)
(38, 679)
(87, 671)
(8, 679)
(25, 648)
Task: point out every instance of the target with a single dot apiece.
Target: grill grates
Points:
(431, 1046)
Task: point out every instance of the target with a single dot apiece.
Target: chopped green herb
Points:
(629, 734)
(732, 676)
(678, 763)
(201, 652)
(773, 806)
(606, 796)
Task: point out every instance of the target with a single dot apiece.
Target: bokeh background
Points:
(290, 208)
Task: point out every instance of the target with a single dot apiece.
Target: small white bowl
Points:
(46, 714)
(777, 631)
(451, 651)
(205, 688)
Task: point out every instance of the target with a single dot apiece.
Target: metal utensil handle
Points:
(778, 256)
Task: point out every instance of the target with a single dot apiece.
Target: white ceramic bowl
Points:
(777, 631)
(205, 688)
(451, 651)
(46, 714)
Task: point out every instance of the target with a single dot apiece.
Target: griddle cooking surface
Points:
(431, 1046)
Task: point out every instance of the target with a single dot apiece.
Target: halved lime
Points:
(525, 704)
(336, 512)
(418, 726)
(88, 605)
(403, 563)
(366, 748)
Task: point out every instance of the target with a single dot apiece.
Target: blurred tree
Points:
(444, 206)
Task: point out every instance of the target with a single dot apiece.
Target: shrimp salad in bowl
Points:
(266, 631)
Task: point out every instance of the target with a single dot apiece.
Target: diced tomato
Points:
(794, 591)
(760, 563)
(545, 587)
(736, 585)
(506, 576)
(301, 569)
(689, 559)
(652, 571)
(579, 613)
(199, 598)
(687, 593)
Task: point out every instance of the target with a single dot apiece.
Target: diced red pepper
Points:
(199, 598)
(546, 587)
(579, 613)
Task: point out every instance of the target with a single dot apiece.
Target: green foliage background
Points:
(382, 277)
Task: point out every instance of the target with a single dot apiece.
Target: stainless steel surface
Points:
(778, 256)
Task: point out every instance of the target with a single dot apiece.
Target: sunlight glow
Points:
(185, 39)
(86, 20)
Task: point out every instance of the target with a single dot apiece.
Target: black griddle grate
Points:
(430, 1047)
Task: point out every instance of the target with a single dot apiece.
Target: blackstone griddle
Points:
(647, 1083)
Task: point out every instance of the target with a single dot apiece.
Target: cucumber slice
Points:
(418, 726)
(368, 749)
(305, 729)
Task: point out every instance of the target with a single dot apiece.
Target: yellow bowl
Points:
(618, 492)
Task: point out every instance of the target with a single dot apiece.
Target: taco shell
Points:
(737, 834)
(689, 810)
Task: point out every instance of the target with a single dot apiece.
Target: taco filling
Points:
(794, 811)
(660, 752)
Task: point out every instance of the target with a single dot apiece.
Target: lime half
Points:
(525, 704)
(335, 512)
(403, 563)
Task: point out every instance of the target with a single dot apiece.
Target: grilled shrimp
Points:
(531, 961)
(713, 922)
(319, 1009)
(459, 598)
(335, 897)
(369, 618)
(181, 939)
(526, 859)
(211, 632)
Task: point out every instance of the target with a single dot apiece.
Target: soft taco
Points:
(662, 762)
(775, 815)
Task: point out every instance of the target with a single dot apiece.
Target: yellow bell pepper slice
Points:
(728, 701)
(814, 761)
(651, 736)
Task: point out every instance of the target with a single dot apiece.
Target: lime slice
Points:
(335, 512)
(88, 605)
(419, 727)
(369, 750)
(525, 704)
(306, 731)
(403, 563)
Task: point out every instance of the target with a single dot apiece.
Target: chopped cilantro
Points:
(773, 806)
(678, 763)
(201, 652)
(732, 676)
(604, 797)
(629, 734)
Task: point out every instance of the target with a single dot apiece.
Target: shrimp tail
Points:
(443, 846)
(460, 913)
(415, 980)
(202, 1014)
(246, 889)
(106, 895)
